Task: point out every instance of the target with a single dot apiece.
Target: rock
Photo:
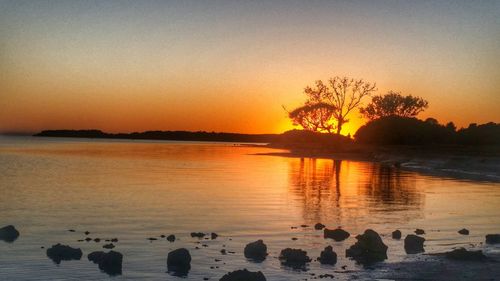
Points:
(243, 275)
(71, 230)
(336, 234)
(88, 239)
(197, 234)
(295, 258)
(87, 233)
(368, 249)
(414, 244)
(179, 262)
(256, 251)
(304, 225)
(214, 235)
(152, 239)
(396, 234)
(171, 238)
(419, 231)
(114, 240)
(223, 251)
(493, 238)
(319, 226)
(328, 256)
(97, 240)
(110, 263)
(8, 233)
(464, 255)
(58, 253)
(108, 246)
(464, 231)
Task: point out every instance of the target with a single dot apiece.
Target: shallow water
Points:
(133, 190)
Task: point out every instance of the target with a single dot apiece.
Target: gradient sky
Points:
(230, 65)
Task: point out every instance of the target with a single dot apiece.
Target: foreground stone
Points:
(110, 263)
(464, 231)
(328, 256)
(396, 234)
(58, 253)
(419, 231)
(336, 234)
(197, 234)
(464, 255)
(414, 244)
(256, 251)
(295, 258)
(179, 261)
(8, 233)
(243, 275)
(171, 238)
(493, 238)
(368, 249)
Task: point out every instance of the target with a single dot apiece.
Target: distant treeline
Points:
(396, 130)
(163, 135)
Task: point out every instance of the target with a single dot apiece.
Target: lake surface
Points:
(133, 190)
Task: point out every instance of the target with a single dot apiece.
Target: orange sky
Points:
(230, 66)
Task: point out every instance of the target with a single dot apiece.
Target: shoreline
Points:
(478, 163)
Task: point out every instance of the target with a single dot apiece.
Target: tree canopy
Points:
(316, 117)
(394, 104)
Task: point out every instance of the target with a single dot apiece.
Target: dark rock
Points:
(295, 258)
(152, 239)
(114, 240)
(493, 238)
(256, 251)
(304, 225)
(110, 263)
(319, 226)
(179, 262)
(464, 255)
(328, 256)
(88, 239)
(464, 231)
(197, 234)
(87, 233)
(368, 249)
(243, 275)
(295, 238)
(97, 240)
(214, 235)
(414, 244)
(8, 233)
(171, 238)
(223, 251)
(108, 246)
(336, 234)
(162, 236)
(71, 230)
(419, 231)
(58, 253)
(396, 234)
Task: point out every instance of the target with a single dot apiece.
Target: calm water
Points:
(133, 190)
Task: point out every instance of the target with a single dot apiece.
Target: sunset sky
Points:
(231, 65)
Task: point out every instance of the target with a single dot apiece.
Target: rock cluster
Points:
(58, 253)
(328, 256)
(111, 262)
(256, 251)
(368, 249)
(243, 275)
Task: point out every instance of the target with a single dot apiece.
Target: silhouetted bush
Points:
(412, 131)
(309, 139)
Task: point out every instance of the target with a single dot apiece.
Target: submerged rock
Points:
(243, 275)
(214, 235)
(319, 226)
(328, 256)
(368, 249)
(197, 234)
(336, 234)
(9, 233)
(464, 255)
(419, 231)
(171, 238)
(396, 234)
(414, 244)
(58, 253)
(108, 246)
(179, 262)
(464, 231)
(256, 251)
(493, 238)
(295, 258)
(110, 263)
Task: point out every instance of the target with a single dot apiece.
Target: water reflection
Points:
(336, 190)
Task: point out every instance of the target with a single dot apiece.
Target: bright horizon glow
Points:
(124, 66)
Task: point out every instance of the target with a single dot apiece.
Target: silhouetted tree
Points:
(342, 94)
(316, 117)
(393, 103)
